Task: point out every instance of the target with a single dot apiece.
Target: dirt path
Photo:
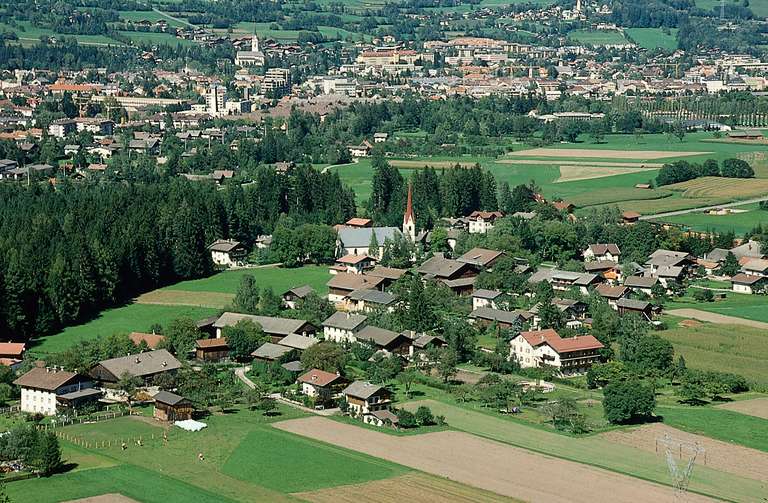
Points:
(583, 163)
(602, 154)
(704, 208)
(757, 407)
(489, 465)
(719, 455)
(721, 319)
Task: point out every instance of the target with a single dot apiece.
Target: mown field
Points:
(598, 37)
(719, 424)
(654, 38)
(726, 348)
(738, 223)
(751, 307)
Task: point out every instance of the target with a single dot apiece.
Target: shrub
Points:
(424, 416)
(406, 419)
(704, 295)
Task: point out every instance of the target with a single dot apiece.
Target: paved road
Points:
(721, 319)
(703, 208)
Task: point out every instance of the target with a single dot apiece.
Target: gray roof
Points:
(81, 393)
(717, 254)
(142, 364)
(300, 291)
(297, 341)
(269, 351)
(634, 304)
(373, 296)
(749, 249)
(168, 398)
(353, 237)
(425, 340)
(486, 294)
(269, 324)
(669, 271)
(640, 281)
(224, 245)
(441, 267)
(602, 265)
(363, 389)
(378, 336)
(345, 321)
(487, 313)
(294, 366)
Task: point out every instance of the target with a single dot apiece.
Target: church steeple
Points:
(255, 43)
(409, 221)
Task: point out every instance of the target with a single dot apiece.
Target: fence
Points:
(58, 423)
(123, 441)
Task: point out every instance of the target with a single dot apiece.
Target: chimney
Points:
(138, 360)
(165, 364)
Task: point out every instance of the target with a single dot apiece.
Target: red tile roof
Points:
(152, 340)
(318, 377)
(12, 349)
(553, 339)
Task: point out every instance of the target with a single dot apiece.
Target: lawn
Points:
(725, 425)
(654, 38)
(288, 463)
(26, 31)
(598, 37)
(751, 307)
(130, 318)
(279, 279)
(149, 15)
(595, 451)
(738, 223)
(738, 349)
(152, 38)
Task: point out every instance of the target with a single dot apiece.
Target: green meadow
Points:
(738, 223)
(277, 278)
(750, 307)
(654, 38)
(598, 37)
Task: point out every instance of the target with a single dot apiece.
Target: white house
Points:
(748, 283)
(343, 327)
(485, 298)
(227, 252)
(367, 401)
(321, 385)
(602, 252)
(480, 222)
(46, 390)
(574, 355)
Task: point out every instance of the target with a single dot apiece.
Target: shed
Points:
(172, 407)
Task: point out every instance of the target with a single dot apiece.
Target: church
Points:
(254, 57)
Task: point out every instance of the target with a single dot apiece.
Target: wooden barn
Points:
(172, 407)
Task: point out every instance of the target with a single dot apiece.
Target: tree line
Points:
(682, 171)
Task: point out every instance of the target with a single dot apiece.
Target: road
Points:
(704, 208)
(721, 319)
(182, 21)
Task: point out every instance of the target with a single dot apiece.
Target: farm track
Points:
(757, 407)
(704, 208)
(721, 319)
(489, 465)
(605, 164)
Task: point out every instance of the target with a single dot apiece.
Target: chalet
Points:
(641, 284)
(481, 258)
(607, 269)
(670, 274)
(370, 300)
(362, 150)
(211, 350)
(145, 366)
(458, 276)
(275, 327)
(425, 342)
(750, 249)
(343, 327)
(11, 353)
(666, 259)
(388, 274)
(385, 340)
(297, 342)
(269, 352)
(485, 298)
(574, 355)
(358, 240)
(380, 137)
(564, 206)
(755, 267)
(630, 217)
(150, 340)
(612, 293)
(354, 264)
(565, 280)
(574, 312)
(321, 385)
(602, 252)
(294, 295)
(484, 316)
(227, 252)
(47, 390)
(341, 285)
(639, 307)
(749, 283)
(480, 222)
(364, 399)
(171, 407)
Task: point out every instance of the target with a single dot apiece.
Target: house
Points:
(211, 350)
(380, 137)
(46, 390)
(11, 353)
(480, 222)
(294, 295)
(355, 264)
(607, 269)
(297, 342)
(641, 284)
(370, 300)
(665, 260)
(755, 267)
(343, 327)
(565, 280)
(341, 285)
(564, 206)
(630, 217)
(484, 316)
(425, 342)
(751, 249)
(639, 307)
(485, 298)
(388, 274)
(612, 293)
(270, 352)
(602, 252)
(151, 340)
(364, 398)
(481, 257)
(227, 252)
(358, 240)
(172, 407)
(321, 385)
(363, 150)
(145, 366)
(749, 283)
(458, 276)
(385, 340)
(275, 327)
(574, 355)
(573, 311)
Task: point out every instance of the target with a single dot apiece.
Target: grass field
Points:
(751, 307)
(149, 15)
(27, 32)
(287, 463)
(739, 223)
(705, 346)
(715, 186)
(152, 38)
(595, 37)
(720, 424)
(278, 279)
(654, 38)
(759, 8)
(133, 317)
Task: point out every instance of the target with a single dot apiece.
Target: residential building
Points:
(480, 222)
(612, 293)
(485, 298)
(602, 252)
(458, 276)
(385, 340)
(341, 285)
(11, 353)
(276, 327)
(211, 350)
(215, 100)
(343, 327)
(46, 390)
(60, 128)
(365, 399)
(227, 252)
(294, 295)
(641, 308)
(145, 366)
(354, 264)
(574, 355)
(484, 316)
(481, 258)
(749, 283)
(321, 385)
(150, 340)
(276, 81)
(366, 300)
(565, 280)
(641, 284)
